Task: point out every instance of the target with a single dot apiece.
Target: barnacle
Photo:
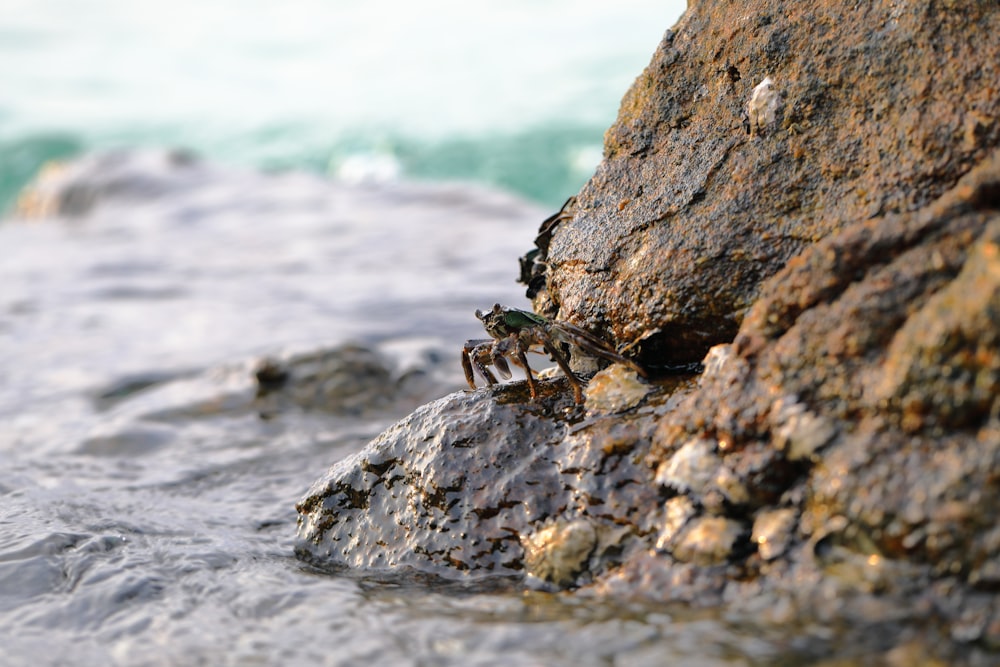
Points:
(763, 105)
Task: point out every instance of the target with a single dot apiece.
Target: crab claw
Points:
(501, 366)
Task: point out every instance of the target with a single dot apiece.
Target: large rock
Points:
(488, 483)
(863, 395)
(838, 246)
(700, 197)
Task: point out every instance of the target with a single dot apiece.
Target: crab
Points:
(516, 332)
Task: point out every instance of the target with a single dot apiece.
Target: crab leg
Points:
(557, 356)
(511, 347)
(467, 367)
(472, 356)
(523, 359)
(594, 346)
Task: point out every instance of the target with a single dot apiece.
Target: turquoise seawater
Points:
(516, 93)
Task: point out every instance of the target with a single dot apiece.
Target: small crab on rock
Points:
(515, 332)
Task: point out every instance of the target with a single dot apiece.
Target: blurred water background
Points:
(515, 93)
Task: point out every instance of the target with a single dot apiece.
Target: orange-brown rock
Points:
(875, 110)
(810, 193)
(874, 356)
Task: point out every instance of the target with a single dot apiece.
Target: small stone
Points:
(559, 552)
(773, 531)
(615, 389)
(708, 540)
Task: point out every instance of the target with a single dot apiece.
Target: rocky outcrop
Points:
(812, 196)
(862, 396)
(838, 460)
(490, 483)
(702, 196)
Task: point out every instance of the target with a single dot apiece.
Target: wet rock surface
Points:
(710, 185)
(828, 245)
(470, 483)
(857, 415)
(864, 397)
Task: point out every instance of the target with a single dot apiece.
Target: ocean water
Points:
(515, 94)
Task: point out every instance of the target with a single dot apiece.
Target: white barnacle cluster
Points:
(559, 552)
(799, 432)
(763, 105)
(691, 468)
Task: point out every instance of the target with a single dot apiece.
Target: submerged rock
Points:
(73, 189)
(350, 379)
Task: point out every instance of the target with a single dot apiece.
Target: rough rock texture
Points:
(855, 421)
(838, 246)
(839, 461)
(879, 110)
(464, 485)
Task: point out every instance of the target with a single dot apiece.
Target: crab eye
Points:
(479, 314)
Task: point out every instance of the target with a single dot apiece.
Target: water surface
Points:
(517, 94)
